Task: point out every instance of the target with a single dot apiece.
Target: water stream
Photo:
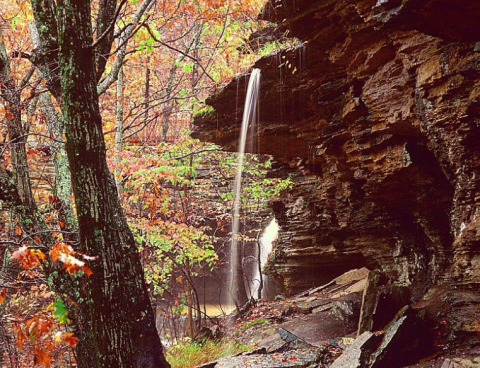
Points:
(237, 292)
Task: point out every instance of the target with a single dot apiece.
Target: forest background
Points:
(85, 85)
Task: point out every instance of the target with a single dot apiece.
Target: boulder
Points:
(358, 354)
(293, 340)
(406, 340)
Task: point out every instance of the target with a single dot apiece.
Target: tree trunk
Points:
(239, 290)
(146, 105)
(122, 324)
(119, 133)
(63, 182)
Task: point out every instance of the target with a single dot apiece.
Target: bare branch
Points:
(195, 153)
(118, 62)
(179, 51)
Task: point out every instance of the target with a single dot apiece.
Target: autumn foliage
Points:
(176, 53)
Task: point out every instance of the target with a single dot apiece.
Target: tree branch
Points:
(106, 19)
(195, 153)
(112, 24)
(179, 51)
(118, 62)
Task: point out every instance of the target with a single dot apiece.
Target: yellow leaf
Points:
(58, 338)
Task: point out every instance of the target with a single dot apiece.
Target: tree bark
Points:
(63, 182)
(119, 132)
(119, 326)
(122, 320)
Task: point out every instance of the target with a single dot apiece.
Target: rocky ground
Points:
(319, 328)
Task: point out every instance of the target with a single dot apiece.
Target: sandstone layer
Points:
(378, 110)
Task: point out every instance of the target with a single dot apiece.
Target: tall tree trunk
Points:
(119, 132)
(117, 301)
(63, 183)
(55, 124)
(146, 105)
(168, 108)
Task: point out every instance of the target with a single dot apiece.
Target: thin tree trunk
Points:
(146, 97)
(55, 124)
(63, 180)
(259, 265)
(119, 133)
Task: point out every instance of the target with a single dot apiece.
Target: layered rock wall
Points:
(379, 105)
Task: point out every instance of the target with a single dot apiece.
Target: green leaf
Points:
(187, 68)
(60, 311)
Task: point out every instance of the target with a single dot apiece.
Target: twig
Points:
(179, 51)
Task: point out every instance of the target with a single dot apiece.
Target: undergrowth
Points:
(190, 354)
(246, 325)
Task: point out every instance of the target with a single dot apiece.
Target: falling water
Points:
(269, 235)
(249, 115)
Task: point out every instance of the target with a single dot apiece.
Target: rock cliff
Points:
(378, 108)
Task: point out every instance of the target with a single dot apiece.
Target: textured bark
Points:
(55, 124)
(119, 325)
(45, 54)
(63, 180)
(119, 132)
(122, 318)
(104, 29)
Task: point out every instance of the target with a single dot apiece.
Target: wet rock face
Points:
(379, 110)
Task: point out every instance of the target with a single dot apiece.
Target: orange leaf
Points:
(41, 357)
(38, 326)
(87, 270)
(69, 339)
(3, 295)
(26, 257)
(20, 338)
(39, 254)
(54, 253)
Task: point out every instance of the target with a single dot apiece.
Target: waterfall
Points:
(237, 292)
(269, 235)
